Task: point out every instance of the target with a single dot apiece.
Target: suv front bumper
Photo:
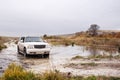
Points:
(38, 51)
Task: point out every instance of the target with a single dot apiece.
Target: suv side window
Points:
(22, 39)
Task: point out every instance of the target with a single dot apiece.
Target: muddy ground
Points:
(61, 60)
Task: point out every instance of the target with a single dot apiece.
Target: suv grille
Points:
(39, 46)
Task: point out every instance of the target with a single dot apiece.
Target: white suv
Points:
(33, 45)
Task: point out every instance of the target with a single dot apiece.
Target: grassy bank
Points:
(97, 57)
(84, 40)
(58, 40)
(15, 72)
(2, 41)
(107, 41)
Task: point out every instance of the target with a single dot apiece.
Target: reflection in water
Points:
(94, 51)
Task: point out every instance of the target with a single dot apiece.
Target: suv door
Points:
(21, 44)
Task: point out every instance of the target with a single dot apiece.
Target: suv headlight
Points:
(48, 46)
(30, 47)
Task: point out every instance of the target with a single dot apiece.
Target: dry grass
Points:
(15, 72)
(107, 41)
(58, 40)
(4, 40)
(83, 39)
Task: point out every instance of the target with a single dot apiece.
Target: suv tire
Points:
(25, 52)
(18, 50)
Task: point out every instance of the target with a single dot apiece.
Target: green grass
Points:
(77, 57)
(2, 46)
(89, 64)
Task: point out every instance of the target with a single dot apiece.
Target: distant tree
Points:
(45, 36)
(93, 30)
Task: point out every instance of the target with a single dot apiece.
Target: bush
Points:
(53, 76)
(114, 78)
(15, 72)
(2, 47)
(91, 78)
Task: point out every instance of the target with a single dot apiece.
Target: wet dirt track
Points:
(59, 56)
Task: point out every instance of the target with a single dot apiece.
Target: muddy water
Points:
(7, 56)
(59, 56)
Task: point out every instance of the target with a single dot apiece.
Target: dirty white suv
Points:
(34, 46)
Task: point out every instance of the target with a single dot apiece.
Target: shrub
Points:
(91, 78)
(15, 72)
(114, 78)
(52, 76)
(2, 47)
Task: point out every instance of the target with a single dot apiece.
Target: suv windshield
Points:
(33, 39)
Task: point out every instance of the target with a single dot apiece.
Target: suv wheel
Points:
(18, 50)
(25, 52)
(46, 55)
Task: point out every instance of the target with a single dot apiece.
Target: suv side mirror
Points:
(21, 41)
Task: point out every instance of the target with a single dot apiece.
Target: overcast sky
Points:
(37, 17)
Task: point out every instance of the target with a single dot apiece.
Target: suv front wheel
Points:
(25, 52)
(46, 55)
(18, 50)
